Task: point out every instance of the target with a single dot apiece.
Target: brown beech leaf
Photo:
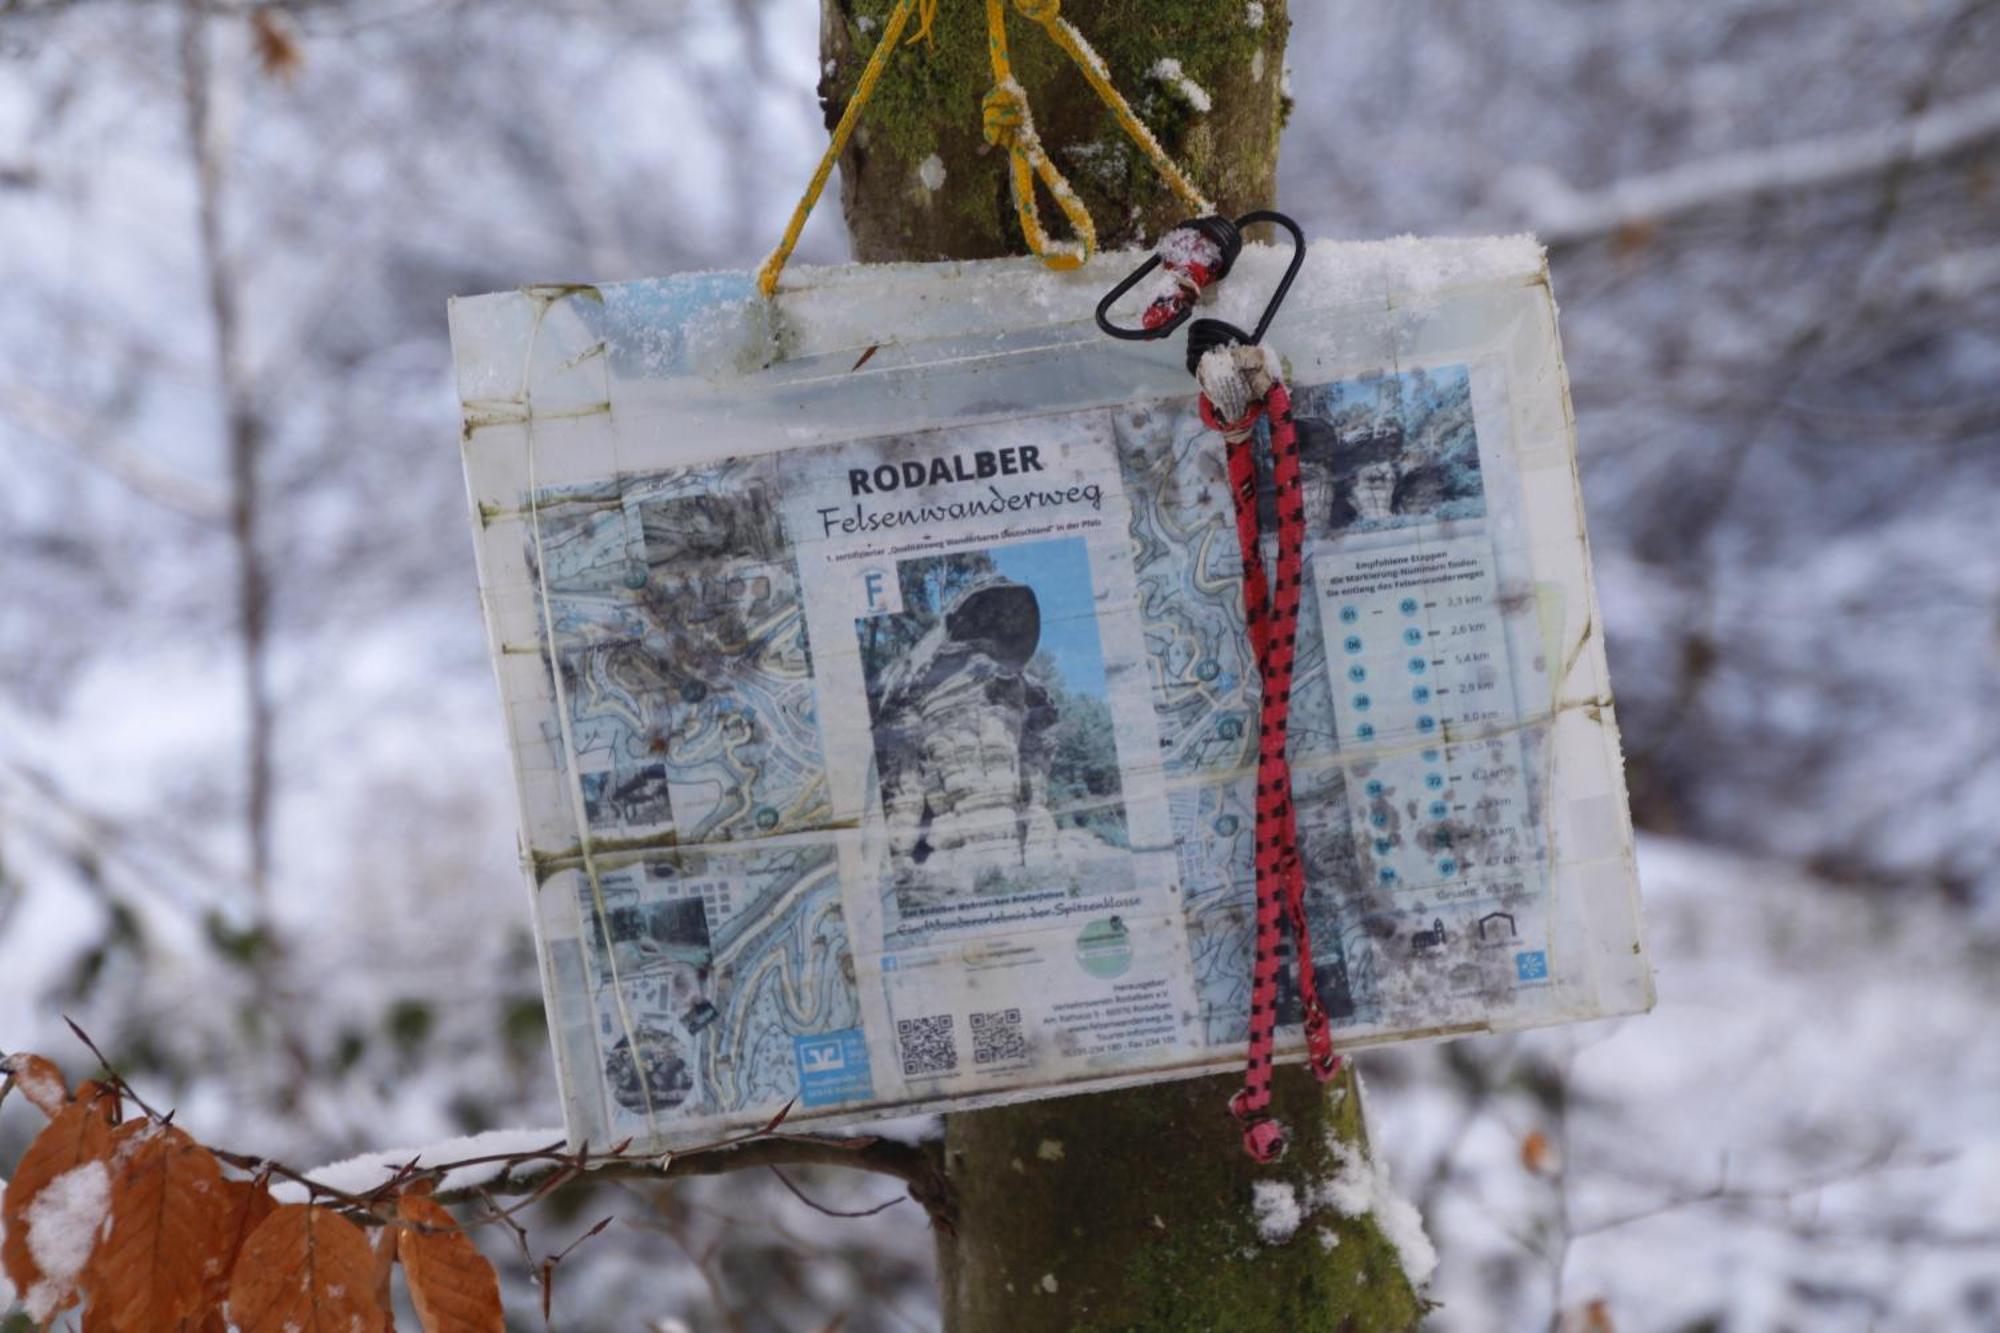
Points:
(1539, 1155)
(386, 1242)
(246, 1203)
(305, 1269)
(39, 1081)
(157, 1265)
(77, 1136)
(452, 1285)
(102, 1097)
(276, 42)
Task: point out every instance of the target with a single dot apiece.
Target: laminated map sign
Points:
(882, 711)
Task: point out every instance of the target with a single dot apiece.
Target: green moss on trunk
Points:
(1134, 1211)
(928, 103)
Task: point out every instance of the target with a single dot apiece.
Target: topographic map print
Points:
(1189, 576)
(678, 627)
(717, 960)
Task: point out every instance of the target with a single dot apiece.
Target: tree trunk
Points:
(1128, 1210)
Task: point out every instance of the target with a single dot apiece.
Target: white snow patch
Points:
(358, 1175)
(1328, 1238)
(1276, 1208)
(1360, 1186)
(1168, 71)
(1253, 14)
(911, 1129)
(1186, 246)
(1051, 1150)
(1257, 65)
(1049, 1283)
(43, 1089)
(62, 1223)
(931, 172)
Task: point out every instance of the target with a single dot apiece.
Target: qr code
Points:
(929, 1046)
(997, 1037)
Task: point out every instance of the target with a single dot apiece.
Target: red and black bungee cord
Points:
(1228, 364)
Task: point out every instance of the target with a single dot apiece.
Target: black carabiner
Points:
(1228, 239)
(1205, 335)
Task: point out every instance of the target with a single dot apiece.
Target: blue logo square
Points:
(833, 1068)
(1531, 965)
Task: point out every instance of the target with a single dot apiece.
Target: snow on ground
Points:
(1802, 1135)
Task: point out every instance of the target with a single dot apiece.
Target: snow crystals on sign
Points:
(885, 726)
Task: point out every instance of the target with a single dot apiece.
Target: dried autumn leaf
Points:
(276, 42)
(305, 1269)
(386, 1242)
(1538, 1155)
(76, 1137)
(157, 1264)
(452, 1285)
(39, 1081)
(246, 1203)
(101, 1097)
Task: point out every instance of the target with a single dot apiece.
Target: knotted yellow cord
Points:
(1009, 124)
(1048, 13)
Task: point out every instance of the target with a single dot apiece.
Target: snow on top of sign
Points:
(825, 309)
(716, 326)
(1335, 273)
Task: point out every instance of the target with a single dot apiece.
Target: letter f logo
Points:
(872, 582)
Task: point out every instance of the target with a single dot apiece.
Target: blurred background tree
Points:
(227, 233)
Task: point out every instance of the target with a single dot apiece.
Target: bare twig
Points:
(819, 1207)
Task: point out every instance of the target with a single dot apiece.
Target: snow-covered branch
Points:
(533, 1162)
(1563, 215)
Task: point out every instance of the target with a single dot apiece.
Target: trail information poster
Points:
(882, 712)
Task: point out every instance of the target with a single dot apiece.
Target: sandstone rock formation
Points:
(960, 740)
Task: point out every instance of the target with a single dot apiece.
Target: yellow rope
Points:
(1009, 124)
(1048, 13)
(774, 263)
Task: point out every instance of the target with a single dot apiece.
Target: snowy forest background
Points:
(1775, 228)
